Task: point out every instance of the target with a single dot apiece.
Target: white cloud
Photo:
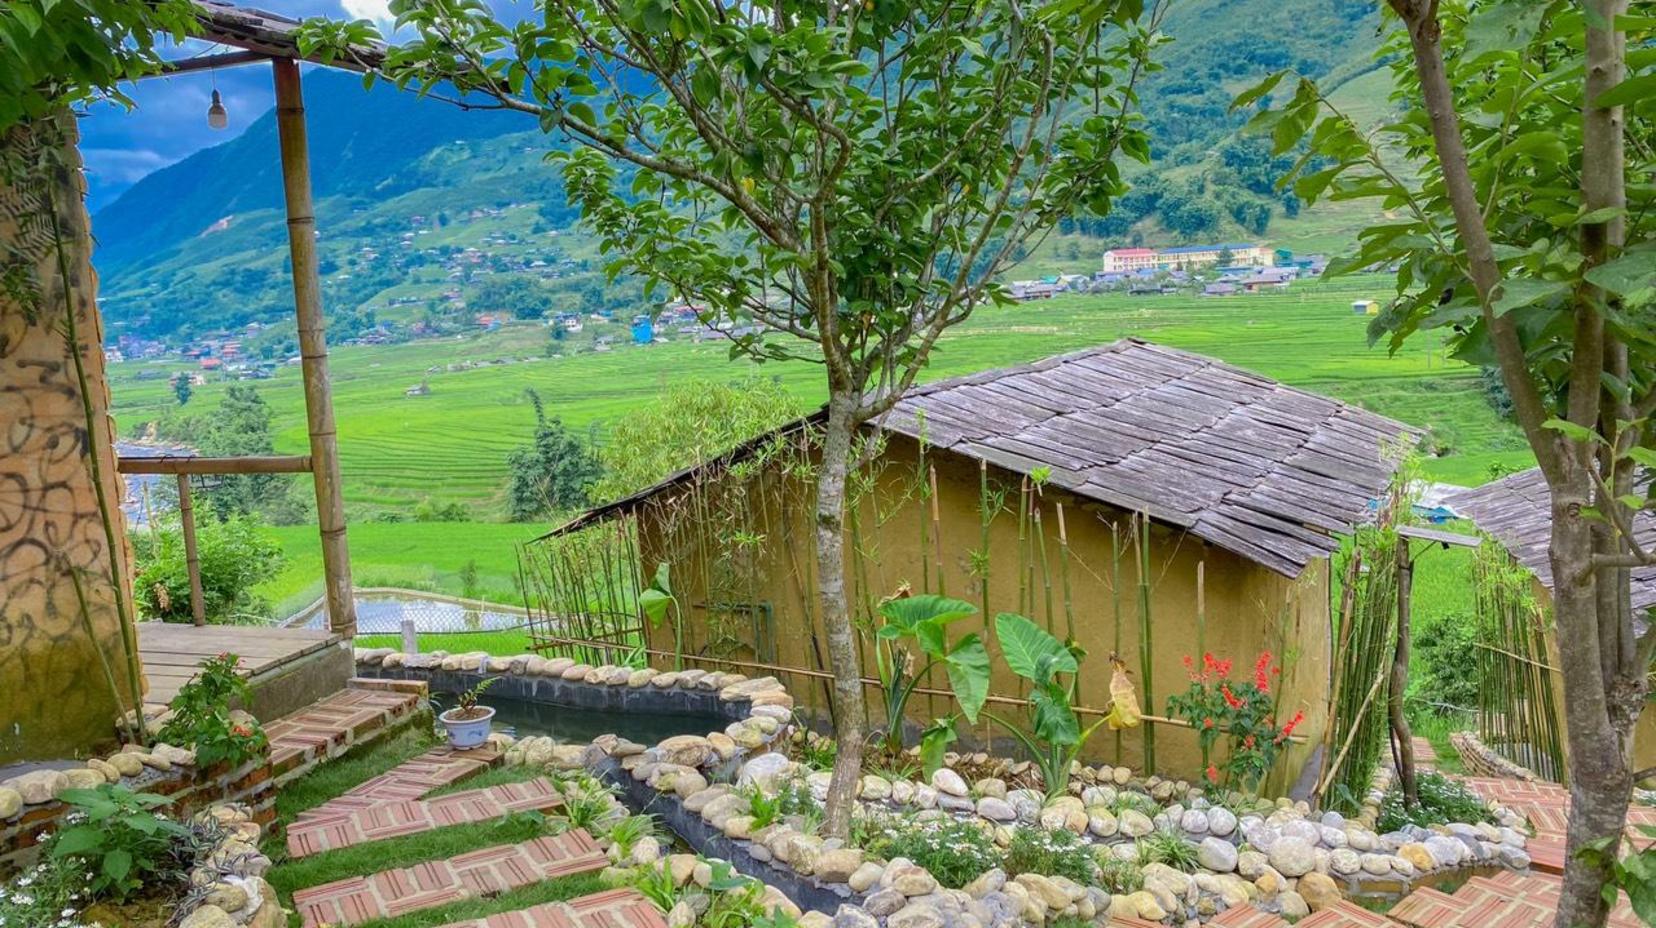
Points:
(377, 10)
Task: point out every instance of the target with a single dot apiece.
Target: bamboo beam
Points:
(192, 555)
(210, 62)
(313, 346)
(192, 464)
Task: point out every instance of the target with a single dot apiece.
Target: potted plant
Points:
(467, 723)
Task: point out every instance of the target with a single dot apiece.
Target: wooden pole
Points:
(1402, 737)
(192, 557)
(313, 347)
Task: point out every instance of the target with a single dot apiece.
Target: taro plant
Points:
(921, 623)
(658, 603)
(201, 716)
(1053, 736)
(120, 839)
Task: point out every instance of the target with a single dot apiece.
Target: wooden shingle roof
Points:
(271, 34)
(1263, 470)
(1517, 511)
(1266, 471)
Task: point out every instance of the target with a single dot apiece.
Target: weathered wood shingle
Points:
(1264, 470)
(1517, 511)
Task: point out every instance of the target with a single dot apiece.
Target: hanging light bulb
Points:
(216, 115)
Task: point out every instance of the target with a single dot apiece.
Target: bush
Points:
(122, 843)
(201, 716)
(1170, 848)
(235, 555)
(1051, 853)
(1442, 800)
(955, 852)
(1444, 657)
(1118, 876)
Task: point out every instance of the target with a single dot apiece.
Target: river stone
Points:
(1344, 861)
(11, 802)
(1294, 906)
(916, 915)
(1376, 864)
(996, 810)
(1145, 906)
(850, 916)
(208, 916)
(1360, 839)
(1101, 823)
(1292, 856)
(885, 901)
(865, 876)
(837, 865)
(875, 788)
(1447, 852)
(39, 786)
(1221, 821)
(1194, 821)
(1135, 824)
(913, 881)
(1216, 854)
(765, 770)
(1318, 890)
(104, 768)
(1251, 864)
(576, 672)
(948, 782)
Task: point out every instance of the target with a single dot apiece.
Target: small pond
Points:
(521, 718)
(383, 614)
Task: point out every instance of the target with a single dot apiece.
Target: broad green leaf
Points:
(1055, 721)
(968, 668)
(655, 604)
(1258, 91)
(76, 840)
(934, 742)
(929, 607)
(1633, 90)
(1518, 292)
(1025, 646)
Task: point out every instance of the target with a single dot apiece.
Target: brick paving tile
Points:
(1427, 908)
(344, 827)
(1424, 754)
(1131, 922)
(487, 872)
(410, 780)
(1247, 916)
(333, 722)
(617, 908)
(1346, 915)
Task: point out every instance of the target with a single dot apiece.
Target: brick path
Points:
(618, 908)
(487, 872)
(316, 834)
(326, 728)
(1547, 806)
(411, 779)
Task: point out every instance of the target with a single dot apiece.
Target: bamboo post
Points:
(192, 555)
(1402, 737)
(313, 346)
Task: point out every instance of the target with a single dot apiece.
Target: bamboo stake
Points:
(1115, 602)
(1146, 664)
(1046, 572)
(192, 556)
(937, 534)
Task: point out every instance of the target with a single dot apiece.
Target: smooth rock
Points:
(1216, 854)
(1292, 856)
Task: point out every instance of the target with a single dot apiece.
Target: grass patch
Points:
(1437, 729)
(495, 776)
(406, 851)
(336, 777)
(558, 890)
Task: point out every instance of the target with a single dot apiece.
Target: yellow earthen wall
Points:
(1248, 607)
(55, 700)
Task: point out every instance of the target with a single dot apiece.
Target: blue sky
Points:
(170, 119)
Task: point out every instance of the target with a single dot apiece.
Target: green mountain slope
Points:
(406, 186)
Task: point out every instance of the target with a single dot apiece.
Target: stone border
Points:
(1277, 856)
(228, 884)
(1483, 760)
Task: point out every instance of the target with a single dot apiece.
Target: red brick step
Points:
(329, 832)
(617, 908)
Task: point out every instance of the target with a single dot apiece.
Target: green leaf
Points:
(77, 840)
(1028, 649)
(583, 112)
(1055, 721)
(934, 742)
(117, 864)
(912, 610)
(1630, 273)
(1572, 431)
(968, 668)
(655, 605)
(1258, 91)
(1633, 90)
(1519, 292)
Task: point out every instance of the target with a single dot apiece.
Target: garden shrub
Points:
(1445, 651)
(955, 852)
(42, 894)
(1051, 853)
(1442, 800)
(201, 716)
(1118, 876)
(1170, 848)
(123, 844)
(235, 556)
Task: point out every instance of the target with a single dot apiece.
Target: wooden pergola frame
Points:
(260, 37)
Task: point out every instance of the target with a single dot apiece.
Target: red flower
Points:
(1248, 742)
(1230, 698)
(1262, 672)
(1207, 722)
(1293, 723)
(1212, 774)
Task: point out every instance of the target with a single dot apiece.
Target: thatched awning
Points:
(1517, 511)
(1266, 471)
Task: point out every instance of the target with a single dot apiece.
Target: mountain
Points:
(415, 197)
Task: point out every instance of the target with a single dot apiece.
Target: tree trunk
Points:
(1601, 779)
(843, 659)
(1402, 736)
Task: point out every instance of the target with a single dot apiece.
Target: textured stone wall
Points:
(55, 699)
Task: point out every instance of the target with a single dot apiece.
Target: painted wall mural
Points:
(55, 694)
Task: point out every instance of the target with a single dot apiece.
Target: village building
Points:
(1123, 260)
(1247, 485)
